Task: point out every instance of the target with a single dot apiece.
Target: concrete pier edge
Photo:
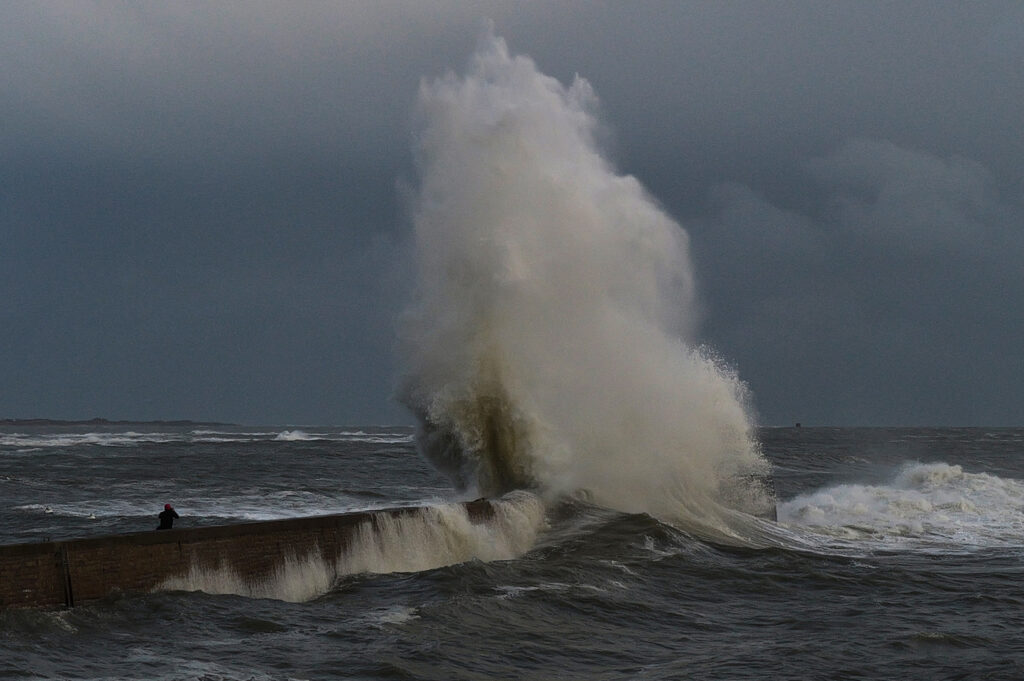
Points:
(65, 573)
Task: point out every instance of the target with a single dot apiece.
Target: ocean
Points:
(552, 358)
(898, 554)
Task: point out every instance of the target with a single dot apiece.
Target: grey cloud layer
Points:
(201, 209)
(898, 298)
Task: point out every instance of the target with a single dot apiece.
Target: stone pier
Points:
(75, 571)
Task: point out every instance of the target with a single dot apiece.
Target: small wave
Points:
(263, 504)
(942, 640)
(259, 505)
(934, 505)
(344, 436)
(399, 614)
(295, 436)
(25, 442)
(509, 592)
(216, 436)
(386, 439)
(222, 440)
(91, 510)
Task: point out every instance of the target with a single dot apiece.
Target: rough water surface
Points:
(898, 554)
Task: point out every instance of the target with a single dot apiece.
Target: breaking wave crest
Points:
(924, 505)
(552, 342)
(295, 436)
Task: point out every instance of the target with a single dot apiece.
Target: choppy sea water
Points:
(899, 553)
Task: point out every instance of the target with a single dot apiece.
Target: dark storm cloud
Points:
(897, 298)
(200, 211)
(199, 214)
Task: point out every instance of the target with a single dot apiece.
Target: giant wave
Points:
(552, 344)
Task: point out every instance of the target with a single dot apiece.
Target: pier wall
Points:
(76, 571)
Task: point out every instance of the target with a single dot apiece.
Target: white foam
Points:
(67, 440)
(399, 614)
(444, 535)
(296, 579)
(28, 442)
(934, 505)
(295, 436)
(395, 439)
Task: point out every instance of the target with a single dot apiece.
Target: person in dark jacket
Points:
(167, 517)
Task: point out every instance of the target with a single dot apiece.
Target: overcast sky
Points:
(204, 207)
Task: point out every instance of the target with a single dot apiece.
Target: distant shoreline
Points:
(106, 422)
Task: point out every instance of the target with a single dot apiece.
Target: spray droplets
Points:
(552, 341)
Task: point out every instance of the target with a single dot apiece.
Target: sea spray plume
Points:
(551, 343)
